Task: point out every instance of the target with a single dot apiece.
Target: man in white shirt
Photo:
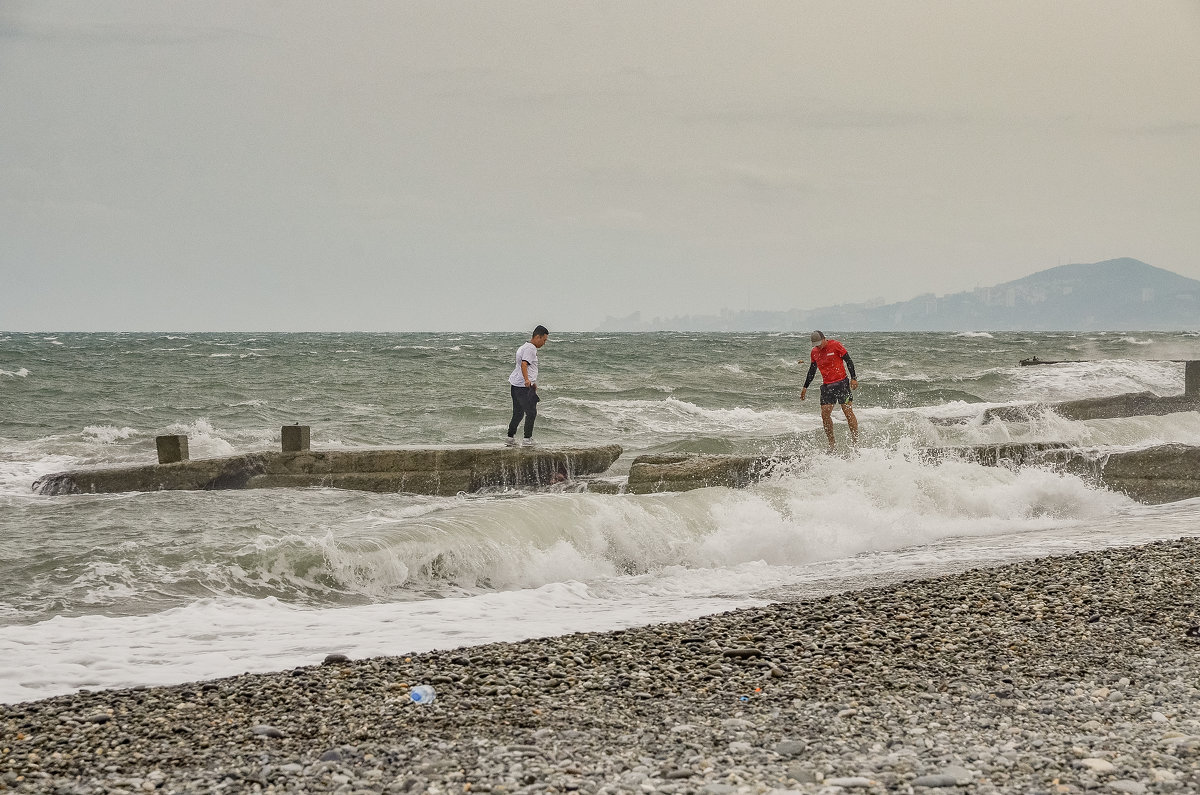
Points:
(523, 385)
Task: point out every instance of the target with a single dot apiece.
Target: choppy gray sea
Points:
(111, 590)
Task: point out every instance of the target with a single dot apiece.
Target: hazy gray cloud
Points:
(245, 165)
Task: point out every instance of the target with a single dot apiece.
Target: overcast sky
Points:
(490, 165)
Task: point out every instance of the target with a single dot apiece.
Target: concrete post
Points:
(295, 438)
(171, 448)
(1191, 379)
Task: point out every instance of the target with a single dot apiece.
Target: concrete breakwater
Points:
(1132, 404)
(1155, 475)
(418, 470)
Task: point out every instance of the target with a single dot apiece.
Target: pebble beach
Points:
(1056, 675)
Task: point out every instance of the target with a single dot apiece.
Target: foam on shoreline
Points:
(1055, 674)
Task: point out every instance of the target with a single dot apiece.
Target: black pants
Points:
(525, 400)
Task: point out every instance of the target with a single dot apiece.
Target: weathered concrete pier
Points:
(1130, 404)
(1155, 475)
(420, 470)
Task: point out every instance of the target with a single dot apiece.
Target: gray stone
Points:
(790, 747)
(935, 780)
(1128, 785)
(961, 774)
(802, 775)
(1097, 765)
(266, 731)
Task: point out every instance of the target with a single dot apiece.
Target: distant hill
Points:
(1117, 294)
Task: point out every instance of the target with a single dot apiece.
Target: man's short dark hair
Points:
(540, 330)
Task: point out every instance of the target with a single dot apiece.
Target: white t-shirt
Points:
(528, 353)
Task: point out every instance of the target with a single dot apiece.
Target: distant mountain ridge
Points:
(1116, 294)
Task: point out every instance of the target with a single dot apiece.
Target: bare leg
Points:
(851, 421)
(827, 421)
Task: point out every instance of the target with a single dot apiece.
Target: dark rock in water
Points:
(1035, 360)
(334, 659)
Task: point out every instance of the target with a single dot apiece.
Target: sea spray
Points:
(107, 590)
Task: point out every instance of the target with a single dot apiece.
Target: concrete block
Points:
(295, 438)
(1191, 379)
(171, 448)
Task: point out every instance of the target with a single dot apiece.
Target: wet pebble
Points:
(1034, 677)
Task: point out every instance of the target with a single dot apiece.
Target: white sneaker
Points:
(527, 442)
(510, 441)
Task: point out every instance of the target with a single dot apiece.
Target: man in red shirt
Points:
(833, 360)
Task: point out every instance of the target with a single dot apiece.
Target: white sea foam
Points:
(19, 469)
(439, 572)
(204, 441)
(673, 415)
(224, 636)
(107, 434)
(1076, 380)
(974, 334)
(18, 373)
(220, 637)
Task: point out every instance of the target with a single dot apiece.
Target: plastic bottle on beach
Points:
(422, 694)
